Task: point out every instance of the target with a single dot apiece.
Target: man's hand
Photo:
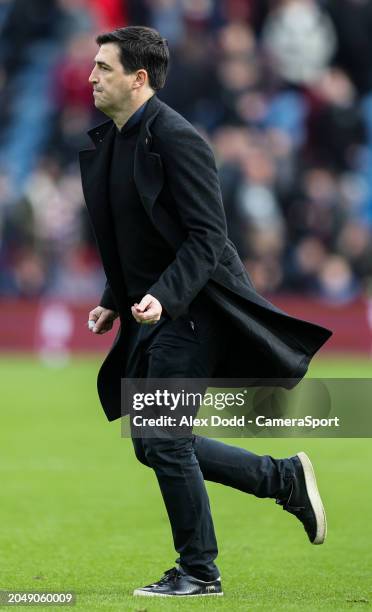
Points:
(100, 320)
(148, 310)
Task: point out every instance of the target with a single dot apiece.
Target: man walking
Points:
(186, 304)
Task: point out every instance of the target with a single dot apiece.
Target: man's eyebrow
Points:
(101, 63)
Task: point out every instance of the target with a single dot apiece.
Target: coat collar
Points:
(98, 133)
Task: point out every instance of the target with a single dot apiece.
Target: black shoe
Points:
(304, 500)
(176, 583)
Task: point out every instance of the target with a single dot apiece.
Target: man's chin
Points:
(99, 105)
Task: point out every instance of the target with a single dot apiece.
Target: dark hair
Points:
(141, 47)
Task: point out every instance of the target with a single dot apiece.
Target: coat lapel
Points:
(148, 170)
(94, 166)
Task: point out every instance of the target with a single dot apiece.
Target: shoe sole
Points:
(139, 593)
(315, 499)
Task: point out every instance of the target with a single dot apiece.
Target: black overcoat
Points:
(174, 164)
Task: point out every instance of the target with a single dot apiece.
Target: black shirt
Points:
(144, 253)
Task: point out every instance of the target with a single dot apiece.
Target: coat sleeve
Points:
(107, 300)
(190, 172)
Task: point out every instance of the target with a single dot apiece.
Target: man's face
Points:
(111, 85)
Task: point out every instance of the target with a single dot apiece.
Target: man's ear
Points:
(141, 78)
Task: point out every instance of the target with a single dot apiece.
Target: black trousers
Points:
(186, 348)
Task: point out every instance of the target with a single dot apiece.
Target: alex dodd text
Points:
(235, 421)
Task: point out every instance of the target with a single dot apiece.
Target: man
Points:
(187, 307)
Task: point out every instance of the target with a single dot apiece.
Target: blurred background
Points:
(282, 90)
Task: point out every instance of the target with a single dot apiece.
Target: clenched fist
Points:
(148, 311)
(100, 320)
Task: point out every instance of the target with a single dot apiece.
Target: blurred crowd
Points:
(282, 90)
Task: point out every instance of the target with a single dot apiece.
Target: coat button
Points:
(147, 141)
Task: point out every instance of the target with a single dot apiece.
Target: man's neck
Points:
(121, 118)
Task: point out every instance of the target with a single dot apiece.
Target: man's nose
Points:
(92, 77)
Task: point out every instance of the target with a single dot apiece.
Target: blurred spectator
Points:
(191, 82)
(300, 40)
(77, 276)
(24, 23)
(316, 210)
(55, 199)
(167, 18)
(68, 135)
(354, 243)
(337, 130)
(304, 264)
(70, 84)
(352, 20)
(29, 274)
(110, 14)
(336, 281)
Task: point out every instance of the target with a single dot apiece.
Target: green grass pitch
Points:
(79, 513)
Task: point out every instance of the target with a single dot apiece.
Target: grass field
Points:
(79, 513)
